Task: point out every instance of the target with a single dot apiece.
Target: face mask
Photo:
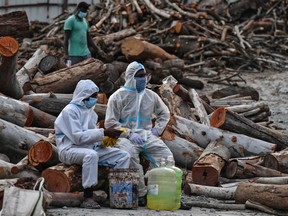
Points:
(90, 103)
(82, 14)
(140, 83)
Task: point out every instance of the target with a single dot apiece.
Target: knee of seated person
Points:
(92, 155)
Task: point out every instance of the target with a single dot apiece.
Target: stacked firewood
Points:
(216, 137)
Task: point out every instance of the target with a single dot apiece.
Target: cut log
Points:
(209, 191)
(241, 169)
(62, 178)
(65, 80)
(185, 153)
(273, 196)
(43, 131)
(48, 64)
(9, 83)
(21, 165)
(15, 141)
(207, 168)
(241, 90)
(61, 199)
(27, 72)
(270, 180)
(42, 155)
(227, 120)
(199, 107)
(215, 205)
(175, 104)
(277, 161)
(134, 48)
(15, 111)
(238, 144)
(42, 119)
(191, 83)
(15, 24)
(110, 38)
(5, 171)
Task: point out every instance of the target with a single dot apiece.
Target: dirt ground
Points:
(273, 89)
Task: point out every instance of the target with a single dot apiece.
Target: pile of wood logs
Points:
(220, 137)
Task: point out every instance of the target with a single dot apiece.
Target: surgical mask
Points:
(90, 103)
(82, 14)
(140, 83)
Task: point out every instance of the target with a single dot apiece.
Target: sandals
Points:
(89, 203)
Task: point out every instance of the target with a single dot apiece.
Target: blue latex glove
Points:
(155, 132)
(136, 138)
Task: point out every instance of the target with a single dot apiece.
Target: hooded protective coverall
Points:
(133, 111)
(78, 138)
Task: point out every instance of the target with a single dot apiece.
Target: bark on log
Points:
(27, 72)
(42, 119)
(209, 191)
(175, 104)
(277, 161)
(134, 48)
(42, 155)
(110, 38)
(207, 168)
(15, 24)
(242, 169)
(238, 144)
(227, 120)
(21, 165)
(199, 107)
(15, 140)
(5, 171)
(255, 205)
(62, 178)
(273, 196)
(9, 83)
(61, 199)
(270, 180)
(49, 64)
(184, 152)
(15, 111)
(65, 80)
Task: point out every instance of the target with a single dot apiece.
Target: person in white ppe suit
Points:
(132, 107)
(78, 139)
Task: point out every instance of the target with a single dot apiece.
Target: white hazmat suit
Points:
(134, 111)
(78, 138)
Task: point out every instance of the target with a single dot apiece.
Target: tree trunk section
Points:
(233, 122)
(185, 153)
(273, 196)
(238, 144)
(208, 191)
(28, 71)
(65, 80)
(42, 155)
(15, 111)
(207, 168)
(15, 24)
(134, 48)
(42, 119)
(9, 83)
(277, 161)
(15, 140)
(62, 178)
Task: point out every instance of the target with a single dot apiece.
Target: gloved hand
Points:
(155, 132)
(136, 138)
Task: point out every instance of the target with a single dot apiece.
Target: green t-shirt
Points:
(78, 38)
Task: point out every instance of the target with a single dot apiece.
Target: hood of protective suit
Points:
(84, 89)
(130, 72)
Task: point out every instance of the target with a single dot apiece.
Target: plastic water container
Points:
(171, 164)
(161, 188)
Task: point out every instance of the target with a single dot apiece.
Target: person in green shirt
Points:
(77, 38)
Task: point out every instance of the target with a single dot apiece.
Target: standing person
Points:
(132, 107)
(78, 139)
(77, 38)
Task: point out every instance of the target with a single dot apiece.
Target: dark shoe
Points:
(89, 203)
(142, 201)
(185, 206)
